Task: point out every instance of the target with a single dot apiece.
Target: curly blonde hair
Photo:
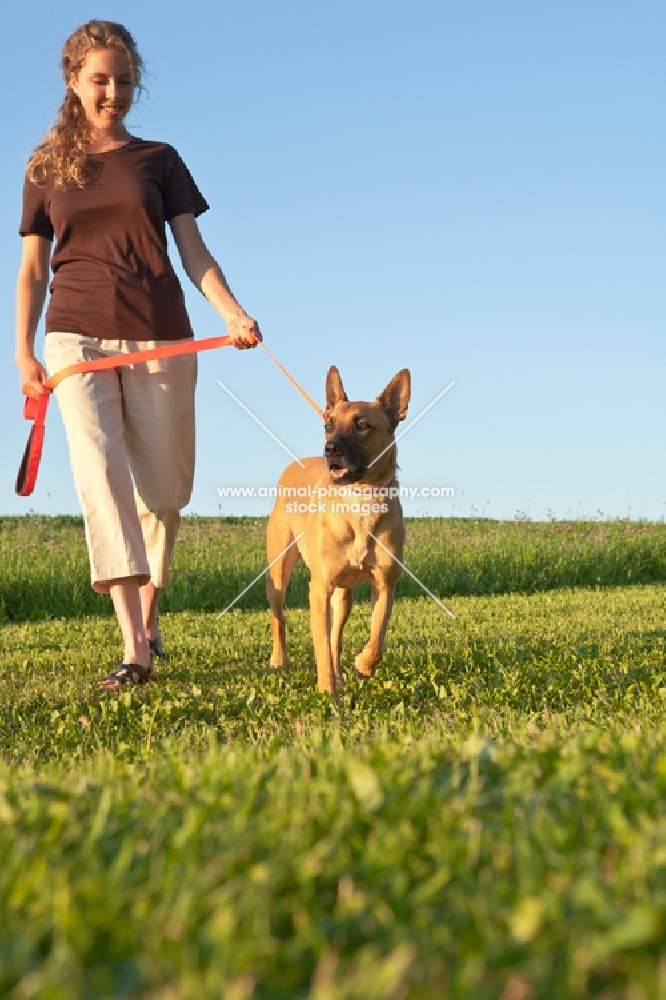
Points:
(62, 154)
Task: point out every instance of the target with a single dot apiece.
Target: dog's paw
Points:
(365, 665)
(329, 688)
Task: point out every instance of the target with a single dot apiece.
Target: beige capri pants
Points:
(130, 433)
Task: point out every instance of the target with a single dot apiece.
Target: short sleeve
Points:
(181, 195)
(35, 219)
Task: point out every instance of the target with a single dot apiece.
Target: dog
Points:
(344, 536)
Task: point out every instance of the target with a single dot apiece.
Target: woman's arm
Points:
(205, 273)
(33, 280)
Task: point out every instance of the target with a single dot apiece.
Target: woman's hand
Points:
(33, 374)
(244, 331)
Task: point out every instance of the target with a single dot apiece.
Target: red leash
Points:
(35, 409)
(293, 381)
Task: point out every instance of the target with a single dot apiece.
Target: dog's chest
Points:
(356, 550)
(355, 555)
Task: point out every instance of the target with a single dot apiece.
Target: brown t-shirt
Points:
(112, 277)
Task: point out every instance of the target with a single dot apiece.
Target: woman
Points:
(106, 196)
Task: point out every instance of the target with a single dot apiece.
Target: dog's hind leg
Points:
(371, 654)
(278, 543)
(341, 605)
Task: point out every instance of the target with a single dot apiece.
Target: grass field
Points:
(483, 819)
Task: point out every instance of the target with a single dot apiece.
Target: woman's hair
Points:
(62, 154)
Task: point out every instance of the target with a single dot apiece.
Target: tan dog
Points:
(333, 532)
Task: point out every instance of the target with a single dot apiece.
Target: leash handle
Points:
(35, 410)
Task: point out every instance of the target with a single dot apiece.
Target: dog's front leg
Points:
(320, 624)
(341, 605)
(371, 654)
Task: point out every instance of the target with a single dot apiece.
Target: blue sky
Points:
(473, 191)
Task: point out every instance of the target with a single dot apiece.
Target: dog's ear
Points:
(335, 392)
(394, 400)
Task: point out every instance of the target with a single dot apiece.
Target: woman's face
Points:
(105, 87)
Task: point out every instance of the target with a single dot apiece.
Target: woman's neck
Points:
(100, 142)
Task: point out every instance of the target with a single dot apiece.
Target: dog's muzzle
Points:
(341, 469)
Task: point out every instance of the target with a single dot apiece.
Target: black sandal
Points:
(157, 647)
(129, 673)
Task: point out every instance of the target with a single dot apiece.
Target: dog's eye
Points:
(328, 427)
(362, 424)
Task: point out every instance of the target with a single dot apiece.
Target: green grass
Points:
(447, 867)
(483, 819)
(584, 655)
(44, 563)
